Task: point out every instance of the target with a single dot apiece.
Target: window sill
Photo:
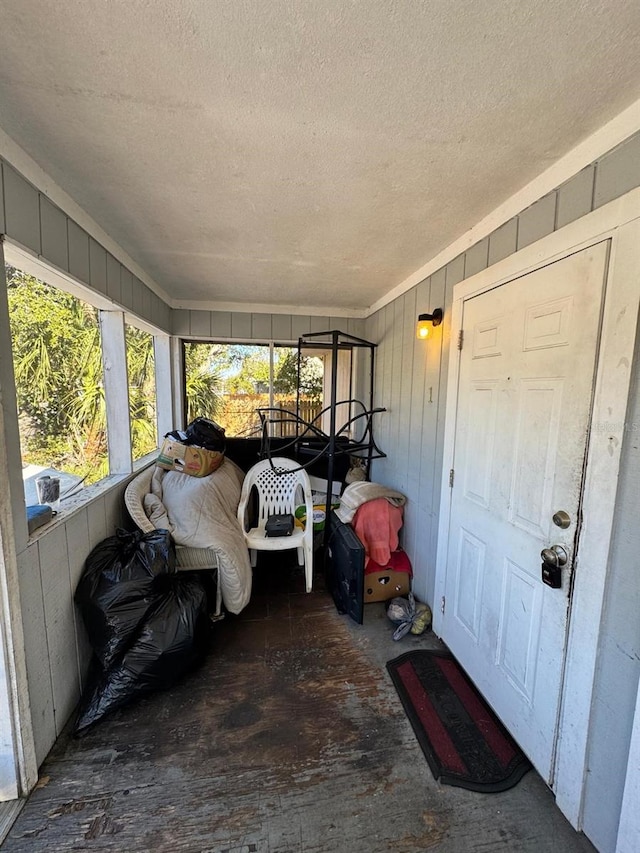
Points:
(74, 503)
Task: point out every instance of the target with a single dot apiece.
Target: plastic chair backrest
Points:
(279, 488)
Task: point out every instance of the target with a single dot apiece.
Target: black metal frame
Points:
(334, 443)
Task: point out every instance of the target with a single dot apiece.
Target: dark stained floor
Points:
(289, 738)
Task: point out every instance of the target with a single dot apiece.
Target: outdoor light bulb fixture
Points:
(427, 321)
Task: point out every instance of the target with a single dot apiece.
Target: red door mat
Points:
(463, 741)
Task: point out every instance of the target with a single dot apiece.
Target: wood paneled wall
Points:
(410, 380)
(56, 647)
(411, 375)
(238, 325)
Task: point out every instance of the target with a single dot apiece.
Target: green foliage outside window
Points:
(229, 382)
(58, 372)
(142, 391)
(60, 393)
(59, 388)
(311, 375)
(203, 381)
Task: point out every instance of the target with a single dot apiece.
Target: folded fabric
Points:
(376, 524)
(359, 493)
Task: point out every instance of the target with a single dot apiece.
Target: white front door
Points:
(524, 402)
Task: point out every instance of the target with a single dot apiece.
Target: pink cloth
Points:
(377, 523)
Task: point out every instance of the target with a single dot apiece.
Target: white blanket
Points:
(201, 512)
(360, 492)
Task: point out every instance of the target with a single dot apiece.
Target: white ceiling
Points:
(300, 152)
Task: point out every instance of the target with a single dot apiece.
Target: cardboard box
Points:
(380, 586)
(188, 459)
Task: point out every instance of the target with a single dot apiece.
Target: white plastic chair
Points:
(280, 488)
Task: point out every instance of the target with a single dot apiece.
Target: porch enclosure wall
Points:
(56, 649)
(410, 380)
(241, 326)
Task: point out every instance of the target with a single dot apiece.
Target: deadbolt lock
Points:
(561, 519)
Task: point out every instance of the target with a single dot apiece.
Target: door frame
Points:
(619, 223)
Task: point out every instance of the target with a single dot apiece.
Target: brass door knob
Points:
(555, 556)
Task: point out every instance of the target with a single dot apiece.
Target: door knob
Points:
(555, 556)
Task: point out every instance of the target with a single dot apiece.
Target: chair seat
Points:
(194, 559)
(257, 538)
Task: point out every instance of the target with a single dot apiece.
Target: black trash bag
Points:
(118, 588)
(172, 640)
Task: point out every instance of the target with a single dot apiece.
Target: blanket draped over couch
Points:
(200, 512)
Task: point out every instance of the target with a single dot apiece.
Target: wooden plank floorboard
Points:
(9, 812)
(289, 738)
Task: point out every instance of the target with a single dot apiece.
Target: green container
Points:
(319, 515)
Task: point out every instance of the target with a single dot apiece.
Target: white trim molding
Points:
(18, 767)
(116, 391)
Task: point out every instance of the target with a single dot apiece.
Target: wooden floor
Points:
(289, 738)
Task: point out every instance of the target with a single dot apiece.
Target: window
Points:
(58, 371)
(57, 349)
(229, 382)
(285, 387)
(142, 391)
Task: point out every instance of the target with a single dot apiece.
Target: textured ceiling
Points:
(299, 152)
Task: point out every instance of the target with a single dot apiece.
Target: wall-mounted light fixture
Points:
(427, 321)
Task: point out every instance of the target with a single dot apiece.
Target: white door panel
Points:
(524, 401)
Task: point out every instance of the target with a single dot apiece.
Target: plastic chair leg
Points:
(300, 556)
(253, 554)
(308, 565)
